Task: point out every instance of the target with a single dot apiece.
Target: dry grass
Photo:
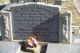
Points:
(75, 16)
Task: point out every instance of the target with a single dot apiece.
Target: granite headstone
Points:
(33, 18)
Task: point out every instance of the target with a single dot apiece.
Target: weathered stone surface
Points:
(9, 47)
(63, 48)
(35, 18)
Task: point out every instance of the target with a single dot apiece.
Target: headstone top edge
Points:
(37, 3)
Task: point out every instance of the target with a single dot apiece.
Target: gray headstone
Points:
(33, 18)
